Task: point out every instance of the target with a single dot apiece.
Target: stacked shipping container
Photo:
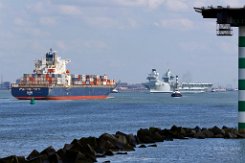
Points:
(60, 79)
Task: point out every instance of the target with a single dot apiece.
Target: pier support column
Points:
(241, 81)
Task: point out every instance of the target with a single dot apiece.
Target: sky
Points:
(124, 39)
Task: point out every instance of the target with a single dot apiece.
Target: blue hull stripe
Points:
(56, 92)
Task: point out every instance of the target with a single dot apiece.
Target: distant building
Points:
(5, 85)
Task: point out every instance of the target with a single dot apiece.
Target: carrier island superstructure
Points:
(51, 80)
(156, 85)
(167, 84)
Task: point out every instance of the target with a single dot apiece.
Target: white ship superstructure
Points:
(167, 84)
(155, 85)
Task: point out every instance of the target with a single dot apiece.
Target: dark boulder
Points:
(207, 133)
(109, 153)
(217, 131)
(219, 136)
(233, 131)
(166, 135)
(67, 147)
(123, 139)
(177, 132)
(156, 134)
(61, 153)
(92, 141)
(144, 136)
(80, 157)
(48, 151)
(132, 140)
(33, 154)
(197, 129)
(100, 155)
(240, 135)
(154, 130)
(199, 135)
(40, 159)
(76, 156)
(85, 149)
(229, 135)
(122, 153)
(13, 159)
(109, 142)
(225, 127)
(157, 137)
(189, 132)
(54, 158)
(152, 145)
(142, 146)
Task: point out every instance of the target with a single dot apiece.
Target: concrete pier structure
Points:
(227, 18)
(241, 77)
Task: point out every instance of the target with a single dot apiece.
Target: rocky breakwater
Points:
(90, 148)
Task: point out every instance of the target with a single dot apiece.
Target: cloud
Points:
(110, 22)
(152, 4)
(191, 46)
(41, 7)
(231, 3)
(101, 21)
(132, 23)
(177, 23)
(69, 10)
(37, 32)
(176, 5)
(172, 5)
(227, 47)
(78, 44)
(61, 45)
(20, 22)
(95, 44)
(139, 3)
(49, 21)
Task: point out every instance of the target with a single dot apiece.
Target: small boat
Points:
(114, 91)
(176, 92)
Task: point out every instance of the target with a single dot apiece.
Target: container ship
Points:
(51, 80)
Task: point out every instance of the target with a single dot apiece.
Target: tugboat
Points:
(176, 92)
(114, 91)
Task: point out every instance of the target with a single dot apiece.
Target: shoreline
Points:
(88, 149)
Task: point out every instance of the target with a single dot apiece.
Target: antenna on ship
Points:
(177, 82)
(227, 17)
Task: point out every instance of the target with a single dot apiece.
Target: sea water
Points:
(24, 127)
